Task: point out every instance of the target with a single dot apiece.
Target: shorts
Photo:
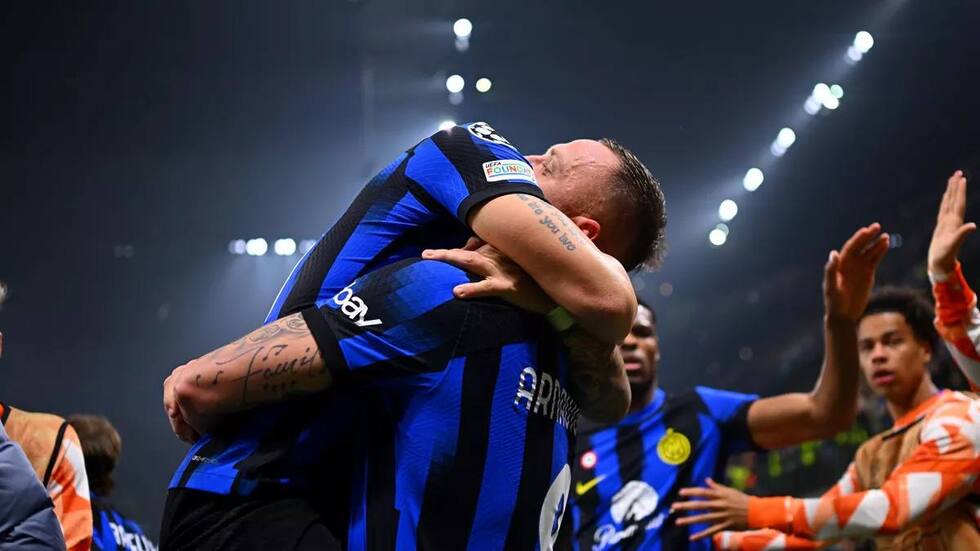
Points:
(199, 520)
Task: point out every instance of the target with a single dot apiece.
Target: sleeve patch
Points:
(503, 170)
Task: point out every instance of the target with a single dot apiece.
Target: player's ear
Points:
(588, 226)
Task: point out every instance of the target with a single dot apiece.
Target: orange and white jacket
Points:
(54, 451)
(914, 486)
(958, 321)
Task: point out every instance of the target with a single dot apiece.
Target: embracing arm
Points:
(592, 286)
(598, 378)
(275, 362)
(794, 418)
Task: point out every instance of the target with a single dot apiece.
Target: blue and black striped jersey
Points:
(470, 423)
(111, 531)
(627, 475)
(421, 200)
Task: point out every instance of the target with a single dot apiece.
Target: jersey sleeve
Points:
(940, 471)
(731, 411)
(763, 540)
(466, 165)
(397, 325)
(958, 321)
(68, 488)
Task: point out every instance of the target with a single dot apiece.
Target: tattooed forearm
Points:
(273, 363)
(598, 378)
(556, 222)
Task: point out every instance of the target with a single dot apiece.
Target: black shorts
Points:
(204, 521)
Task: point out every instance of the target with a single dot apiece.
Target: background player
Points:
(901, 481)
(102, 445)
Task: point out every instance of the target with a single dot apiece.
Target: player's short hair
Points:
(912, 304)
(101, 446)
(648, 206)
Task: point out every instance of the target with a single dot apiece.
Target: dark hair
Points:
(648, 206)
(101, 446)
(912, 304)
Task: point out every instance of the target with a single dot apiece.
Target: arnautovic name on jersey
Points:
(543, 394)
(353, 307)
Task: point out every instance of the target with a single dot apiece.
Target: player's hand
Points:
(502, 277)
(850, 274)
(178, 424)
(950, 232)
(727, 508)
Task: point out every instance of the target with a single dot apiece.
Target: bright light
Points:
(863, 41)
(463, 27)
(483, 85)
(853, 55)
(285, 247)
(256, 247)
(447, 124)
(837, 91)
(753, 179)
(717, 237)
(727, 210)
(305, 245)
(237, 246)
(777, 150)
(455, 84)
(830, 102)
(785, 138)
(811, 106)
(825, 96)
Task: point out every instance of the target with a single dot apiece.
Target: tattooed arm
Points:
(275, 362)
(598, 379)
(561, 259)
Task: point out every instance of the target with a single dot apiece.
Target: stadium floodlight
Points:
(786, 138)
(830, 102)
(853, 55)
(237, 246)
(306, 245)
(256, 247)
(483, 85)
(812, 106)
(727, 210)
(284, 247)
(447, 124)
(463, 27)
(717, 237)
(753, 179)
(837, 91)
(455, 84)
(863, 41)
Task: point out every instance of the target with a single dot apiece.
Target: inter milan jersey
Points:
(471, 423)
(421, 200)
(114, 532)
(627, 475)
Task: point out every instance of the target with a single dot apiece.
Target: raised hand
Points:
(850, 273)
(950, 232)
(726, 508)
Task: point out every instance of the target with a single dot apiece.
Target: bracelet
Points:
(560, 319)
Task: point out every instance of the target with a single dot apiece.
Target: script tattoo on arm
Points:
(556, 222)
(276, 362)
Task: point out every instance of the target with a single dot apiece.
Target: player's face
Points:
(892, 359)
(640, 350)
(565, 165)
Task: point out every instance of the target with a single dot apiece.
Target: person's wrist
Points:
(941, 267)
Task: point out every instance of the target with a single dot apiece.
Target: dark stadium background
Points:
(137, 140)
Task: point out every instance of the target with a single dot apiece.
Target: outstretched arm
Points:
(273, 362)
(957, 316)
(790, 419)
(939, 472)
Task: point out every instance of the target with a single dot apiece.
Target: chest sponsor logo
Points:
(583, 487)
(486, 132)
(673, 448)
(632, 505)
(542, 394)
(353, 307)
(509, 169)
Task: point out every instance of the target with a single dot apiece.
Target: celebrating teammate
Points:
(250, 482)
(957, 316)
(908, 487)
